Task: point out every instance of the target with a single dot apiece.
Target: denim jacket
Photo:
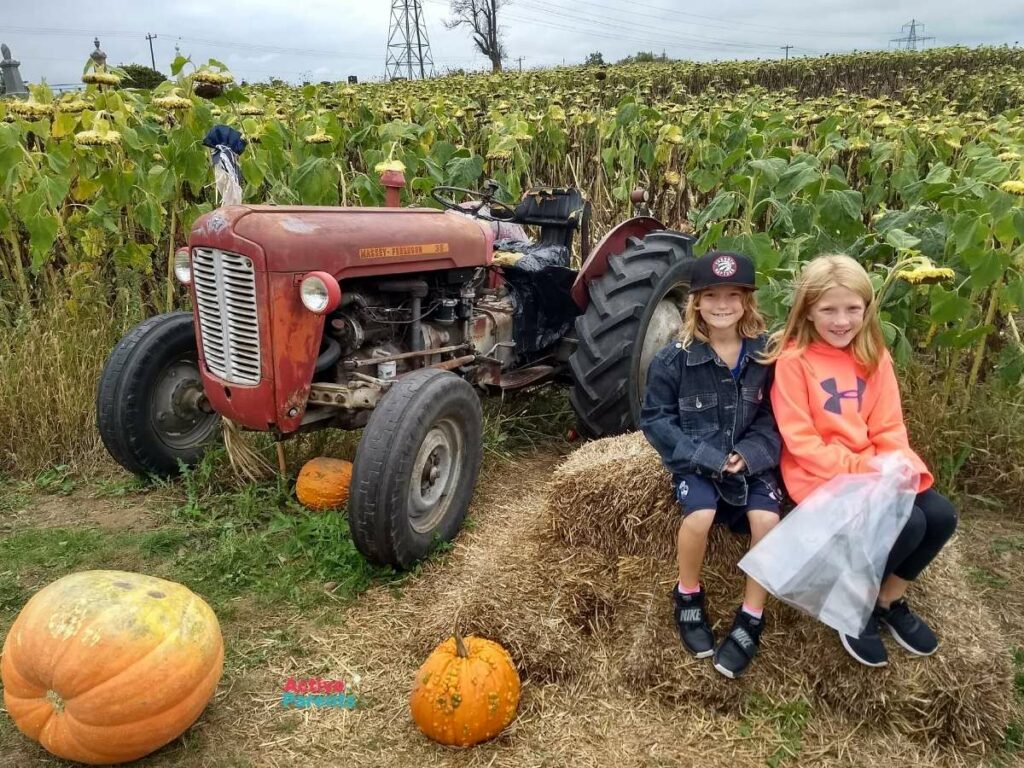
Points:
(695, 414)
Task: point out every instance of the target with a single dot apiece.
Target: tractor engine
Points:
(385, 319)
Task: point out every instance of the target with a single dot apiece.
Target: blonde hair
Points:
(750, 326)
(818, 276)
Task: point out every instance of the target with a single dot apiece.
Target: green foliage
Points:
(901, 160)
(141, 76)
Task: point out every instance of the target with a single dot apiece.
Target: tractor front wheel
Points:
(415, 468)
(150, 409)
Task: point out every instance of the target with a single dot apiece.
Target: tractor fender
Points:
(612, 243)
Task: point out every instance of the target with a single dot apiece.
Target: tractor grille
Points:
(226, 297)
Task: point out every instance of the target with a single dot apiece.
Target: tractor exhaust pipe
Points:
(394, 183)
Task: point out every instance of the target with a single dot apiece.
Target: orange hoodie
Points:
(834, 418)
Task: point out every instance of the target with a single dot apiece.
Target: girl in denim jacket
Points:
(708, 413)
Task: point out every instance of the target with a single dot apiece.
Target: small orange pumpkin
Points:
(104, 667)
(323, 483)
(466, 692)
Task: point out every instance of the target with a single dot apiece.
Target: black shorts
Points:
(696, 492)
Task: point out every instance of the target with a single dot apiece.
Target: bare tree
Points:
(481, 16)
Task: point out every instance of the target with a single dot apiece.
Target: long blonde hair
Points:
(750, 326)
(818, 276)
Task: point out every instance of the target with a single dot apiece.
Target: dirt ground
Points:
(588, 723)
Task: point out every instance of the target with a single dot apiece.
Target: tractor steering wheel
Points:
(499, 211)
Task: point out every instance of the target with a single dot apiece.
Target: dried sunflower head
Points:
(172, 103)
(1008, 157)
(926, 275)
(389, 165)
(250, 109)
(72, 107)
(97, 138)
(1013, 186)
(318, 138)
(672, 178)
(214, 78)
(101, 78)
(30, 109)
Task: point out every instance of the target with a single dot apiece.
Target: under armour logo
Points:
(834, 403)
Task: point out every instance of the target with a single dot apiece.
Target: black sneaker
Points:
(908, 629)
(868, 648)
(740, 646)
(692, 622)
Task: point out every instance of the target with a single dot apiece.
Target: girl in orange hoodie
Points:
(837, 405)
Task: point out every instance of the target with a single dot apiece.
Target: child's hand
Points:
(735, 464)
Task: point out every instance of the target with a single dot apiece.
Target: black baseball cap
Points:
(721, 268)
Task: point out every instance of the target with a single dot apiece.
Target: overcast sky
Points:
(331, 39)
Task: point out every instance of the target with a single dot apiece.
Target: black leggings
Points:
(932, 521)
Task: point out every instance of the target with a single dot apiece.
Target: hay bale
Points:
(962, 696)
(614, 497)
(541, 601)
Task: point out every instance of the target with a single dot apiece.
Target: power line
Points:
(615, 30)
(662, 14)
(786, 49)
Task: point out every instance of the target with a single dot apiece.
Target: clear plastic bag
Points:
(225, 175)
(827, 556)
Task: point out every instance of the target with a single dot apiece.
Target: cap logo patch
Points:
(724, 266)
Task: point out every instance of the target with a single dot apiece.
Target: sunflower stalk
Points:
(170, 262)
(979, 350)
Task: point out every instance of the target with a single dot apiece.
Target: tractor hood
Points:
(347, 242)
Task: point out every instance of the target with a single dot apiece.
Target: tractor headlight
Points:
(320, 292)
(183, 266)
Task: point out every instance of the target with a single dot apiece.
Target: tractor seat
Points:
(559, 212)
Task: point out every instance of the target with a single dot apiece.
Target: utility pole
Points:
(786, 49)
(520, 60)
(152, 58)
(912, 38)
(408, 49)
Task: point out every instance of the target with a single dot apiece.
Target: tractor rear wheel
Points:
(415, 468)
(150, 408)
(635, 309)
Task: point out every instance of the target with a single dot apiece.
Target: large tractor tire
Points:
(635, 309)
(415, 468)
(150, 407)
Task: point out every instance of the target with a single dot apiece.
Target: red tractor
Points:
(390, 320)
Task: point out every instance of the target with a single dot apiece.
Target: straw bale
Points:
(526, 591)
(613, 497)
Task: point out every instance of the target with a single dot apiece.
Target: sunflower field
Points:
(911, 162)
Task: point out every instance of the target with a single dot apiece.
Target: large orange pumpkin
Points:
(104, 667)
(323, 483)
(466, 692)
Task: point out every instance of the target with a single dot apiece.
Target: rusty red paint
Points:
(330, 239)
(284, 243)
(612, 243)
(394, 182)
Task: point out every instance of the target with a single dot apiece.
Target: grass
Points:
(986, 578)
(784, 723)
